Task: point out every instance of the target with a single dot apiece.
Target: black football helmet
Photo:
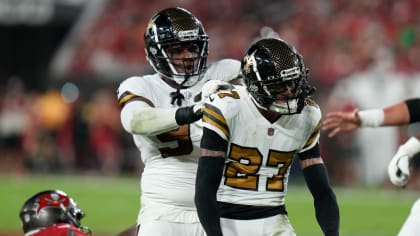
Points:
(170, 27)
(50, 207)
(270, 63)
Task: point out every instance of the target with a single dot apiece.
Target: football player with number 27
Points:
(251, 136)
(160, 112)
(402, 113)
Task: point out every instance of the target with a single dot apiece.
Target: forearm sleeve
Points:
(414, 109)
(209, 174)
(212, 141)
(326, 207)
(148, 121)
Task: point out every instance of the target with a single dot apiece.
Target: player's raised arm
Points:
(401, 113)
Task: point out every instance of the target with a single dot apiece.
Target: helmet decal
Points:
(52, 199)
(249, 62)
(188, 35)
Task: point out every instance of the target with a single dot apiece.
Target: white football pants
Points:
(411, 226)
(164, 228)
(278, 225)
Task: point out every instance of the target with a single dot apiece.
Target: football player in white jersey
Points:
(160, 112)
(402, 113)
(250, 137)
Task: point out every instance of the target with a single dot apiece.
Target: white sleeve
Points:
(139, 118)
(225, 70)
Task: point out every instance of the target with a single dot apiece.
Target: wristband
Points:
(371, 118)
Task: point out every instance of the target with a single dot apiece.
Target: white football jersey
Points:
(260, 153)
(170, 158)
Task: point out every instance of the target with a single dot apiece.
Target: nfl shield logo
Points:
(270, 131)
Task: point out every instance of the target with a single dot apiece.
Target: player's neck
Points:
(171, 83)
(271, 116)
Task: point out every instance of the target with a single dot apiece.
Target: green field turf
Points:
(111, 204)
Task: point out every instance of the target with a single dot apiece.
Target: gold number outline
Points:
(241, 173)
(232, 93)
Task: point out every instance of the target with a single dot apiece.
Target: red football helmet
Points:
(50, 207)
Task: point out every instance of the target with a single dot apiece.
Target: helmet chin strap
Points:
(69, 216)
(177, 96)
(289, 107)
(258, 104)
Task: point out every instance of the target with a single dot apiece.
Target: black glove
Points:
(188, 115)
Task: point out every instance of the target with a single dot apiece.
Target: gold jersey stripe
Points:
(314, 135)
(125, 97)
(214, 117)
(128, 97)
(311, 102)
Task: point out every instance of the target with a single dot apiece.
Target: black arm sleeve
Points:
(414, 109)
(326, 207)
(209, 174)
(311, 153)
(212, 141)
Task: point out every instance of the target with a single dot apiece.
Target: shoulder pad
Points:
(226, 101)
(312, 110)
(226, 70)
(135, 86)
(311, 102)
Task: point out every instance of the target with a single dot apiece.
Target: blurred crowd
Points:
(339, 40)
(336, 37)
(63, 130)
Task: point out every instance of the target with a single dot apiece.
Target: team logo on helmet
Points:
(249, 62)
(52, 200)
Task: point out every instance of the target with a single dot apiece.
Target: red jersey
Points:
(62, 229)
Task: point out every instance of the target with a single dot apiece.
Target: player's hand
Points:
(188, 115)
(338, 122)
(211, 87)
(399, 166)
(399, 169)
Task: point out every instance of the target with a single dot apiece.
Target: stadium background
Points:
(61, 61)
